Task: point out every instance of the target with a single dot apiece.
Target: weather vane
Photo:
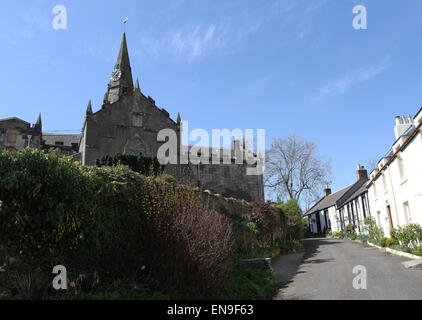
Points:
(125, 20)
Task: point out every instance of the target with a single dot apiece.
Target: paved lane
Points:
(325, 271)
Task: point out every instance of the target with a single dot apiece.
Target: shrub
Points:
(374, 232)
(107, 222)
(140, 164)
(388, 242)
(295, 223)
(182, 229)
(337, 234)
(409, 236)
(418, 251)
(245, 235)
(265, 218)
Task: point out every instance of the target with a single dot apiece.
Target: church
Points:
(128, 122)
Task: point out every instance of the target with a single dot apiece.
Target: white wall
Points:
(399, 189)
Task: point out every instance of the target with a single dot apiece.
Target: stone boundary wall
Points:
(243, 211)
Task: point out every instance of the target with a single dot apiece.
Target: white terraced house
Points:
(335, 211)
(395, 187)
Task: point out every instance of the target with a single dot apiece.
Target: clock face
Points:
(115, 75)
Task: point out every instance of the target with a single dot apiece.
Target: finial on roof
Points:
(89, 108)
(179, 118)
(39, 120)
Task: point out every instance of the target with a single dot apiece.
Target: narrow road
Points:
(325, 272)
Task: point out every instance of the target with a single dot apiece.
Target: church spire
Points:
(137, 87)
(121, 81)
(39, 121)
(179, 118)
(89, 109)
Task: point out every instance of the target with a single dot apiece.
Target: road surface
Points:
(325, 272)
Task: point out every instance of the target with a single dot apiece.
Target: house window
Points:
(59, 143)
(384, 183)
(401, 169)
(406, 211)
(375, 190)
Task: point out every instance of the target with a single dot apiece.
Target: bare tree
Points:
(294, 170)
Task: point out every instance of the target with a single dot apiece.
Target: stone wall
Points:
(229, 180)
(16, 134)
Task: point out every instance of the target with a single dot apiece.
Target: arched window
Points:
(135, 146)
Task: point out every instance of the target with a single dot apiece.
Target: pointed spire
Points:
(89, 109)
(123, 57)
(39, 120)
(137, 87)
(121, 81)
(179, 118)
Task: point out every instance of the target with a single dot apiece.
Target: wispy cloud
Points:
(194, 42)
(352, 79)
(228, 31)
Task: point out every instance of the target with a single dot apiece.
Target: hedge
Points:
(105, 223)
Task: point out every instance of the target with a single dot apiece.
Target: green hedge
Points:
(107, 222)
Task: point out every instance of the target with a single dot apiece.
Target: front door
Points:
(390, 219)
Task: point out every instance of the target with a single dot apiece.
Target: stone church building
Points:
(128, 122)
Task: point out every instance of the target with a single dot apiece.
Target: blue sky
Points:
(288, 66)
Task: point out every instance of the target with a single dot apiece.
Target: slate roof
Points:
(350, 194)
(67, 139)
(328, 201)
(14, 119)
(357, 193)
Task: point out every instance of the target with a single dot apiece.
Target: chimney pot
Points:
(362, 173)
(327, 190)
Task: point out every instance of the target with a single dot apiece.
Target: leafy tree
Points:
(295, 222)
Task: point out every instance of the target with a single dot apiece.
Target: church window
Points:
(135, 147)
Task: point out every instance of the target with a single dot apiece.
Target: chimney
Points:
(361, 172)
(327, 190)
(402, 125)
